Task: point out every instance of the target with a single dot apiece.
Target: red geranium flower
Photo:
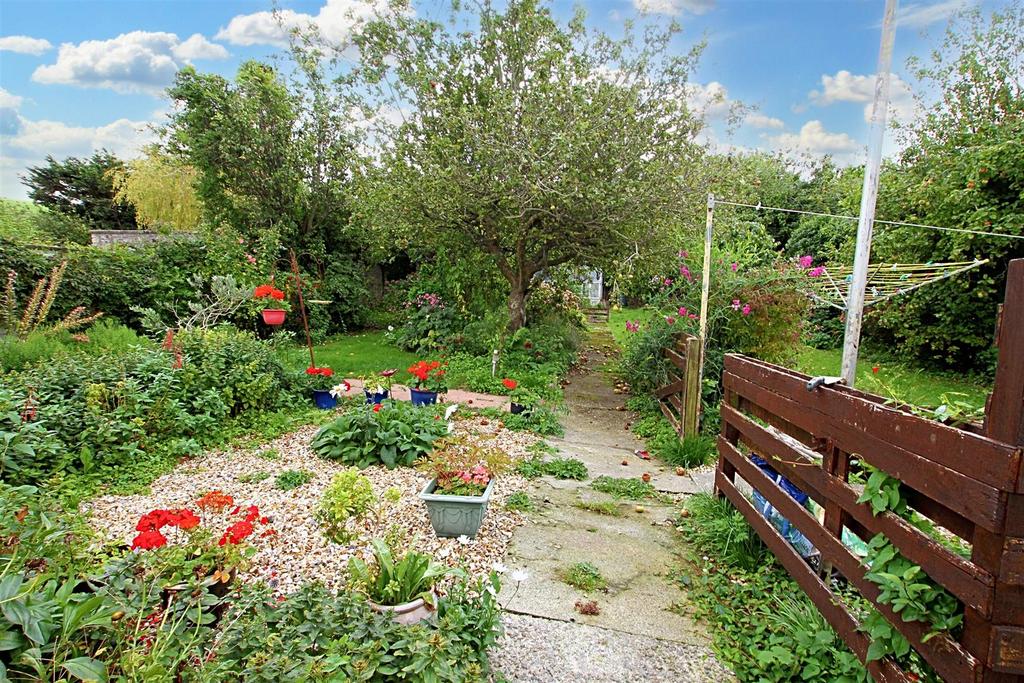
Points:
(510, 383)
(376, 407)
(262, 291)
(311, 370)
(326, 372)
(215, 500)
(236, 533)
(148, 540)
(277, 294)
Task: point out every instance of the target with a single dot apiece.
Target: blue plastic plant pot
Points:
(519, 408)
(375, 398)
(423, 398)
(324, 400)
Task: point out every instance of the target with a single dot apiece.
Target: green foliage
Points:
(604, 507)
(292, 479)
(883, 493)
(559, 468)
(584, 576)
(82, 189)
(632, 489)
(714, 525)
(520, 502)
(693, 451)
(396, 435)
(625, 142)
(348, 496)
(395, 581)
(430, 325)
(254, 477)
(24, 222)
(539, 420)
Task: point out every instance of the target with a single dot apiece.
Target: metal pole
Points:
(869, 195)
(705, 290)
(302, 306)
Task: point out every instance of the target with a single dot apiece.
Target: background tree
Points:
(963, 167)
(162, 190)
(534, 143)
(82, 188)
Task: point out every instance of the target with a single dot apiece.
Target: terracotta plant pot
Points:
(273, 316)
(407, 613)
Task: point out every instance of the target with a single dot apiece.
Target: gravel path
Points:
(299, 552)
(535, 650)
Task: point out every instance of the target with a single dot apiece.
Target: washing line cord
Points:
(760, 207)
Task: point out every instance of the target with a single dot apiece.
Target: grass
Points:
(584, 576)
(559, 468)
(520, 502)
(352, 355)
(911, 385)
(617, 321)
(605, 507)
(693, 451)
(632, 489)
(292, 479)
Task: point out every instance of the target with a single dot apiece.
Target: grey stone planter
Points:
(453, 516)
(407, 613)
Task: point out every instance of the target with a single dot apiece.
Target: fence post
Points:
(691, 399)
(999, 641)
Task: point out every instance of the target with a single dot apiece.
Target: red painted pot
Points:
(273, 316)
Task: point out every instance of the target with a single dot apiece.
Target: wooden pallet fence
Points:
(971, 484)
(680, 398)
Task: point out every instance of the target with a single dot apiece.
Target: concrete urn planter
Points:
(453, 516)
(407, 613)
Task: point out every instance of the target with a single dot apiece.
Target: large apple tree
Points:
(533, 142)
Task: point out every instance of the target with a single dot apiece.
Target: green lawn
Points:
(618, 317)
(352, 355)
(911, 385)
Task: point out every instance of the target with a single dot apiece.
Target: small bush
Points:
(293, 479)
(540, 420)
(584, 576)
(254, 477)
(398, 434)
(633, 489)
(693, 451)
(348, 496)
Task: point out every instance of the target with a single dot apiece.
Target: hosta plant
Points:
(394, 581)
(390, 433)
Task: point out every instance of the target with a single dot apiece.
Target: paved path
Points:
(642, 632)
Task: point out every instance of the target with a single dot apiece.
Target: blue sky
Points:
(76, 75)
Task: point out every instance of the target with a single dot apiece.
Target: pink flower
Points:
(693, 316)
(683, 253)
(251, 259)
(669, 319)
(746, 309)
(735, 266)
(685, 272)
(735, 304)
(682, 311)
(805, 261)
(667, 282)
(632, 325)
(816, 272)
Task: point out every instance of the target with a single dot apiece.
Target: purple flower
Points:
(805, 261)
(816, 272)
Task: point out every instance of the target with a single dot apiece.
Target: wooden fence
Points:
(680, 398)
(969, 482)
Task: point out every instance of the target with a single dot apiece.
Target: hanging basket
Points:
(273, 316)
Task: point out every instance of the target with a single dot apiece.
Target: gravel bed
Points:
(537, 650)
(299, 552)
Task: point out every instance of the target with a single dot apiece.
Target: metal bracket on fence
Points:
(824, 380)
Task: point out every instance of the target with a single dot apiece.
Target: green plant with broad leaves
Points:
(396, 434)
(394, 581)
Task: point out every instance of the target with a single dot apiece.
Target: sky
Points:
(79, 75)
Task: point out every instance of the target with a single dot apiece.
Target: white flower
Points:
(449, 411)
(463, 539)
(340, 389)
(519, 575)
(499, 567)
(391, 328)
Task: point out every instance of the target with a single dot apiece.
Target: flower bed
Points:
(299, 551)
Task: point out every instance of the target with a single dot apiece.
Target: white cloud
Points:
(848, 87)
(25, 45)
(813, 140)
(27, 143)
(674, 7)
(758, 120)
(921, 15)
(336, 21)
(709, 101)
(198, 47)
(140, 61)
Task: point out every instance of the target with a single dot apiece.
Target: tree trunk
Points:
(517, 304)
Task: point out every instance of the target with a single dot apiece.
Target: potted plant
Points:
(428, 382)
(523, 400)
(377, 385)
(270, 294)
(403, 588)
(461, 486)
(319, 380)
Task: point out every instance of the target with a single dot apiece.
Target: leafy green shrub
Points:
(539, 420)
(348, 496)
(633, 489)
(254, 477)
(585, 576)
(430, 325)
(395, 581)
(26, 446)
(396, 434)
(292, 479)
